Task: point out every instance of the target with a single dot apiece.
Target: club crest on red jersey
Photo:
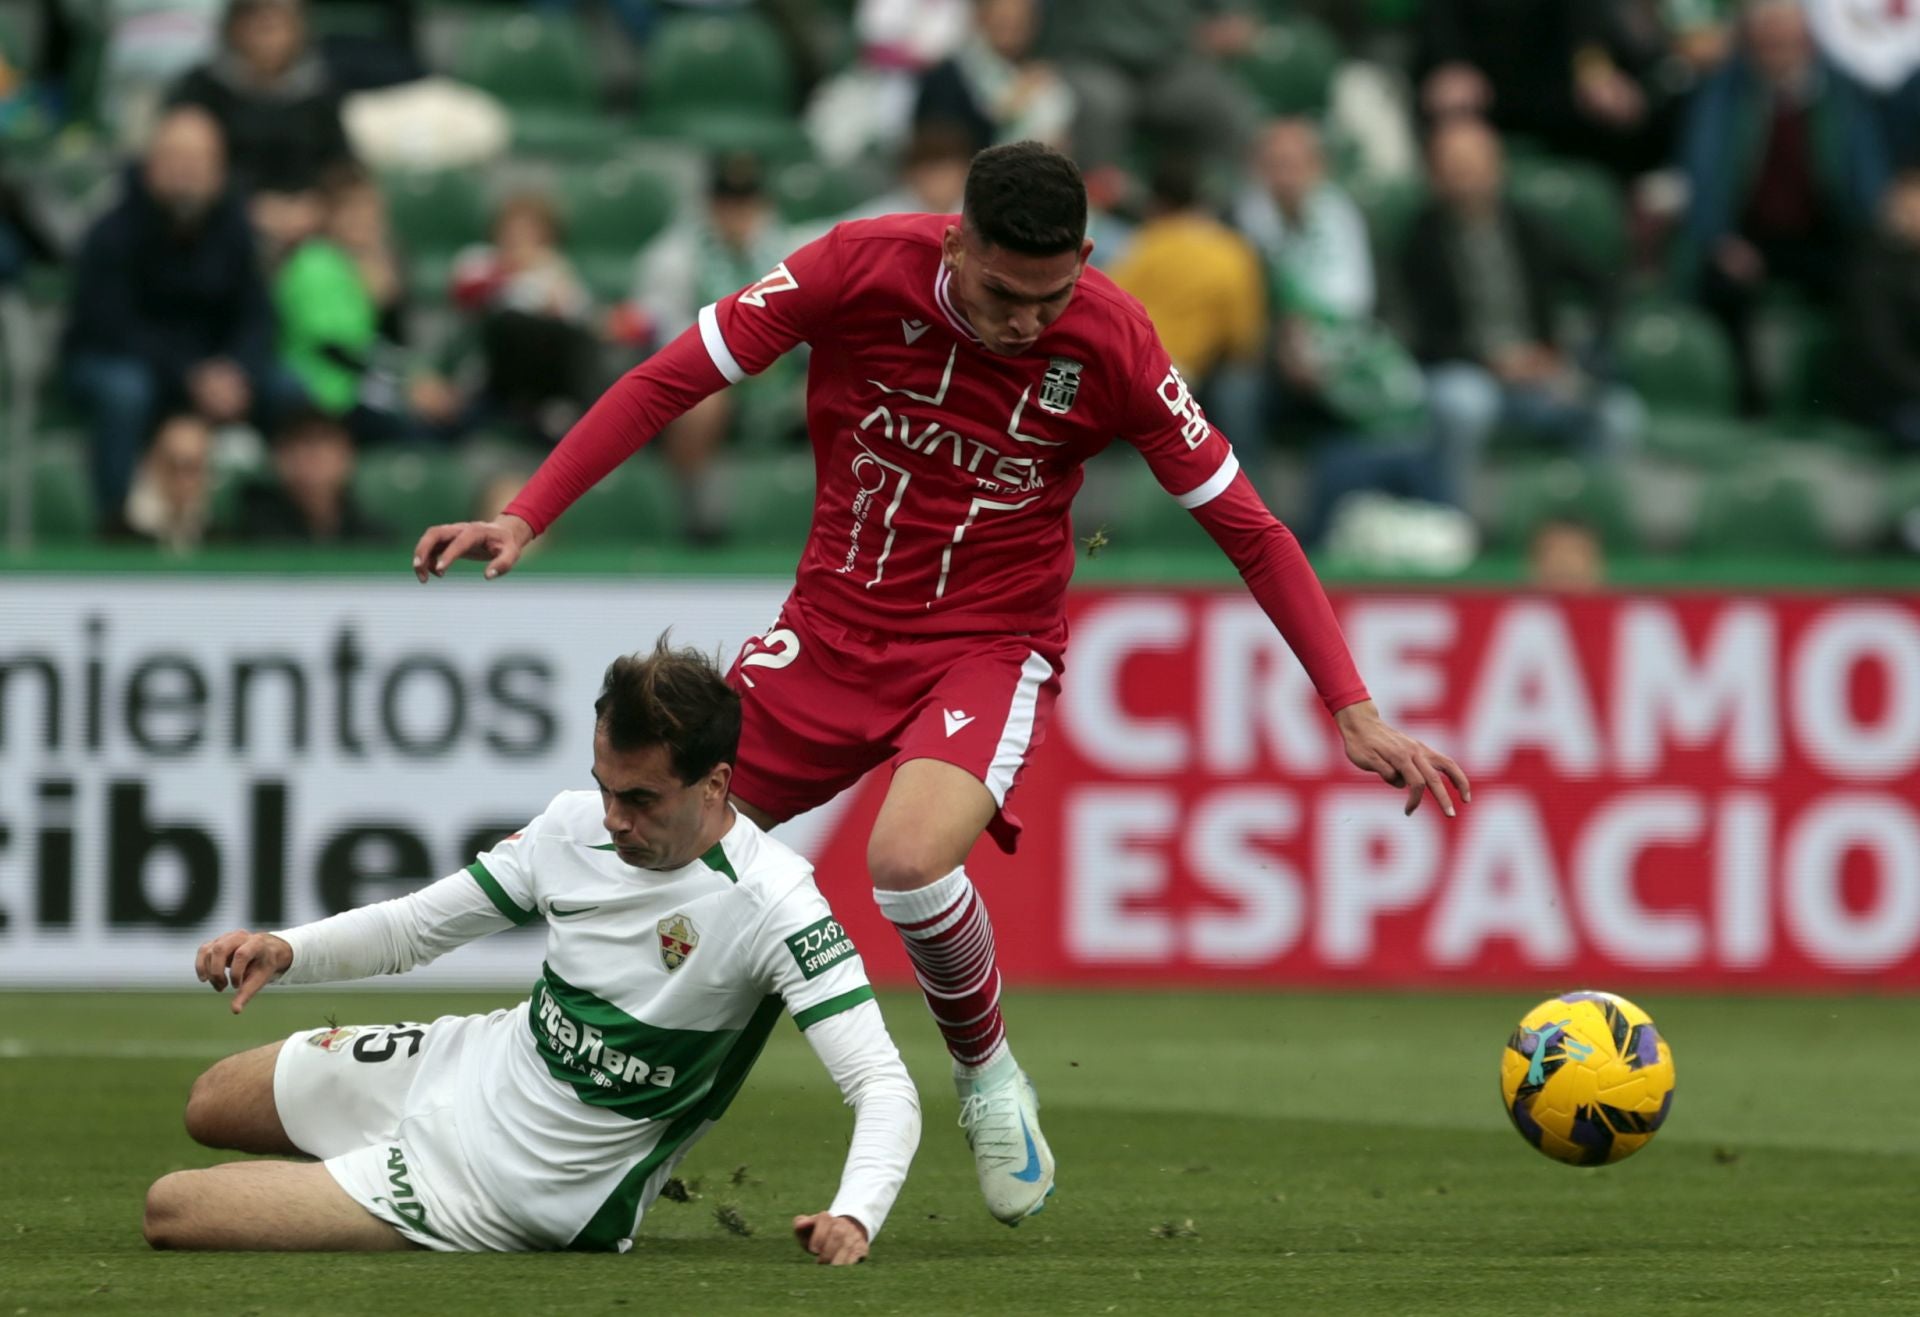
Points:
(678, 938)
(1060, 385)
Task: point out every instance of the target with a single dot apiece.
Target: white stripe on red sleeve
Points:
(716, 344)
(1213, 486)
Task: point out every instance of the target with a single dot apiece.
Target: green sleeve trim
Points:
(498, 895)
(832, 1006)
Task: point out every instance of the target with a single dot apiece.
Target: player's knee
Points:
(904, 862)
(164, 1222)
(212, 1101)
(204, 1107)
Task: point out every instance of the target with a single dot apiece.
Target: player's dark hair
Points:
(671, 697)
(1027, 198)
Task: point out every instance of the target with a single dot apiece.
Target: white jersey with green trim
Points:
(658, 991)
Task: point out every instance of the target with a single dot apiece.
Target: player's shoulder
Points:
(761, 862)
(1112, 310)
(904, 230)
(573, 816)
(766, 870)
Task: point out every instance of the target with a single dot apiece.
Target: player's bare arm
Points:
(661, 388)
(1374, 745)
(498, 543)
(246, 962)
(834, 1241)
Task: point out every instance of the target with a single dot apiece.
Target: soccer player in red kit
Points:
(963, 370)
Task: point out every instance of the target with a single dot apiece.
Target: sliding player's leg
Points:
(933, 814)
(263, 1205)
(322, 1092)
(231, 1105)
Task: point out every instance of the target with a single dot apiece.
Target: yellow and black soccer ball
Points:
(1586, 1078)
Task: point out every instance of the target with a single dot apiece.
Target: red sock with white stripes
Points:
(950, 941)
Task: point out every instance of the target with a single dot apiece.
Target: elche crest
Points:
(678, 938)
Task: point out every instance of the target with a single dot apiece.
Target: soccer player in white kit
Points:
(677, 935)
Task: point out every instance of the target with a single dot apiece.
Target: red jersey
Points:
(944, 472)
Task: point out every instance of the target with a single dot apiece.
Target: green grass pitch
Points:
(1300, 1153)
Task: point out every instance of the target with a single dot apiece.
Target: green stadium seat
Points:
(1390, 205)
(349, 18)
(1833, 434)
(772, 501)
(1758, 510)
(1677, 358)
(541, 66)
(1564, 488)
(1797, 344)
(1903, 504)
(809, 192)
(1698, 439)
(434, 213)
(613, 209)
(1580, 203)
(1291, 66)
(635, 506)
(62, 511)
(412, 488)
(723, 82)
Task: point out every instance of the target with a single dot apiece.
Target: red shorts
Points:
(823, 704)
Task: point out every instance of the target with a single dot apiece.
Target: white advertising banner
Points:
(182, 756)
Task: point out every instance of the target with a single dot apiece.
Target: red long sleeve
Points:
(629, 414)
(1276, 570)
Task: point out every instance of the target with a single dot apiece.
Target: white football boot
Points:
(1000, 1113)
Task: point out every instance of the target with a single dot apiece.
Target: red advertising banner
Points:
(1704, 790)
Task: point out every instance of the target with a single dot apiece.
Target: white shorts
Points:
(374, 1103)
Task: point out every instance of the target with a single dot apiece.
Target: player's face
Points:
(655, 820)
(1008, 297)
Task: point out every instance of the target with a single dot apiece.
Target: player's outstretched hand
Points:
(835, 1241)
(249, 961)
(497, 543)
(1400, 760)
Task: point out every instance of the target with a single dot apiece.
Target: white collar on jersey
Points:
(943, 295)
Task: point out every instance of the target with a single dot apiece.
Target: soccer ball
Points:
(1586, 1078)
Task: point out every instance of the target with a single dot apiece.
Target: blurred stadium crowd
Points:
(1580, 275)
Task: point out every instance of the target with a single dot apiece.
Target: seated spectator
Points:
(865, 110)
(1565, 556)
(1700, 32)
(147, 47)
(933, 175)
(1482, 279)
(1200, 282)
(310, 500)
(993, 88)
(1787, 162)
(169, 311)
(736, 240)
(341, 298)
(25, 238)
(1877, 45)
(1881, 380)
(1314, 241)
(1344, 376)
(171, 503)
(1572, 75)
(280, 111)
(540, 359)
(378, 47)
(1154, 66)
